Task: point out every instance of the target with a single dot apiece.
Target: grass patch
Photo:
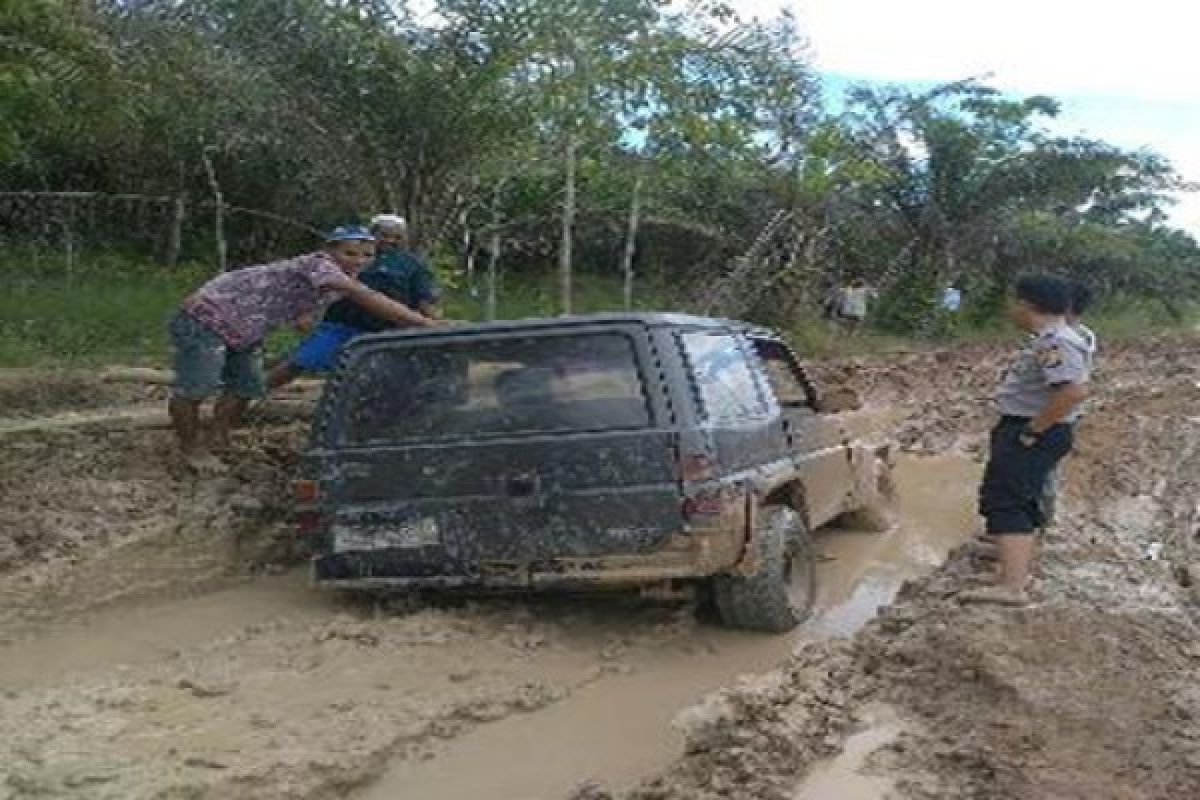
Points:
(116, 314)
(114, 310)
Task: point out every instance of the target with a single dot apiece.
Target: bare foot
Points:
(996, 595)
(203, 463)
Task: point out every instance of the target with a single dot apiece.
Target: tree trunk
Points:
(568, 224)
(219, 213)
(468, 250)
(631, 243)
(493, 258)
(175, 235)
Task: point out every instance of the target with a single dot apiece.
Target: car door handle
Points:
(523, 487)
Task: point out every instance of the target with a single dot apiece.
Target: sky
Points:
(1124, 71)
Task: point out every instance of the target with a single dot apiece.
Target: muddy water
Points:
(845, 777)
(620, 729)
(617, 727)
(131, 635)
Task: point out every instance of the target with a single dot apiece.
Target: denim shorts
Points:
(205, 365)
(320, 350)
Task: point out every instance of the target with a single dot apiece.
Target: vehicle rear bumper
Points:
(386, 569)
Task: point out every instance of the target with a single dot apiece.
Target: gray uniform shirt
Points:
(1089, 341)
(1051, 358)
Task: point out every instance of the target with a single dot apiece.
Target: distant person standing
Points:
(853, 303)
(952, 299)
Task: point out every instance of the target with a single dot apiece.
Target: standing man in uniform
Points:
(1038, 401)
(396, 273)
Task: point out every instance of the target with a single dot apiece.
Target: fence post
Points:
(175, 235)
(69, 237)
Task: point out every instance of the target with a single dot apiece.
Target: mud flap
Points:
(874, 490)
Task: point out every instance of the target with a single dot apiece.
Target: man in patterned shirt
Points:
(219, 330)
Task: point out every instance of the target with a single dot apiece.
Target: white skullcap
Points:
(389, 223)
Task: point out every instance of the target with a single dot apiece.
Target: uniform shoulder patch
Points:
(1050, 356)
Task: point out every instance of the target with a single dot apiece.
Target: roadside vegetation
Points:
(576, 156)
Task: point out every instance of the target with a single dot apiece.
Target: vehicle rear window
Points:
(457, 390)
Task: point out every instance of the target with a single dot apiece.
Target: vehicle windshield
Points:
(455, 390)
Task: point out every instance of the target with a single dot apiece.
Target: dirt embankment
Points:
(266, 690)
(1090, 693)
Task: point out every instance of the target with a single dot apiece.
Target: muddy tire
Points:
(781, 594)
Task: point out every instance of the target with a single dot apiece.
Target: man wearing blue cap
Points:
(396, 273)
(219, 330)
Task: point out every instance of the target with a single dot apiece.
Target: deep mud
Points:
(149, 656)
(37, 393)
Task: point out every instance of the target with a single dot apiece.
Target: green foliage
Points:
(316, 110)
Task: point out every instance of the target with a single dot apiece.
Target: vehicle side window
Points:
(724, 381)
(787, 381)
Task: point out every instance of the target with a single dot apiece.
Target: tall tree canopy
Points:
(537, 121)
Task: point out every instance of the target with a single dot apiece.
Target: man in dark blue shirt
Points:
(395, 272)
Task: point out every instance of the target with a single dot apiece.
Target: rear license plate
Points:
(418, 533)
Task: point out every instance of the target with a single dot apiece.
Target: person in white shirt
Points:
(852, 305)
(952, 298)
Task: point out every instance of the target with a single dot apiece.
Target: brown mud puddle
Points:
(845, 777)
(621, 729)
(126, 635)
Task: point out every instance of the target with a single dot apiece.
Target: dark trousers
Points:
(1011, 493)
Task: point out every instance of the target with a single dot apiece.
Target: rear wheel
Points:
(781, 594)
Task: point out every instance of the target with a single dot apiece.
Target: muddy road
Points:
(157, 639)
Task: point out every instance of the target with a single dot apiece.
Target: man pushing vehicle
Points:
(396, 273)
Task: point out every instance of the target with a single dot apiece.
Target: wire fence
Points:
(65, 229)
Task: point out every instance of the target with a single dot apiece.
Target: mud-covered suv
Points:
(653, 451)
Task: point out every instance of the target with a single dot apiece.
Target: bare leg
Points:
(226, 415)
(281, 375)
(1012, 576)
(1016, 557)
(185, 419)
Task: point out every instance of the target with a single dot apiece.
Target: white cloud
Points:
(1076, 50)
(1142, 48)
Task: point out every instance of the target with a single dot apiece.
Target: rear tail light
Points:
(705, 504)
(306, 491)
(309, 522)
(697, 467)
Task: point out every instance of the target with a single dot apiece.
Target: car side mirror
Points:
(838, 400)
